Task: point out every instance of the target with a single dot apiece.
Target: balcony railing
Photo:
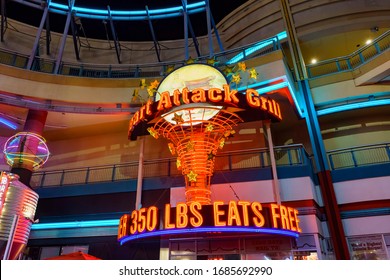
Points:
(45, 65)
(259, 158)
(359, 156)
(352, 61)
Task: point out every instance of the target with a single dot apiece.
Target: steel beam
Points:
(2, 20)
(210, 39)
(185, 18)
(114, 36)
(37, 38)
(74, 33)
(48, 35)
(153, 35)
(63, 39)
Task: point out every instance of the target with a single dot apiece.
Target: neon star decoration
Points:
(230, 133)
(192, 176)
(135, 95)
(172, 148)
(228, 70)
(153, 132)
(209, 127)
(190, 60)
(236, 78)
(253, 74)
(177, 118)
(142, 83)
(221, 143)
(169, 69)
(154, 84)
(178, 163)
(190, 146)
(211, 61)
(210, 156)
(241, 66)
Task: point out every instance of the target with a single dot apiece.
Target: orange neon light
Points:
(194, 214)
(225, 96)
(285, 217)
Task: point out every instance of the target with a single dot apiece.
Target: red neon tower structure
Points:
(195, 138)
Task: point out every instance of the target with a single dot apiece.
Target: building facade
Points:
(327, 156)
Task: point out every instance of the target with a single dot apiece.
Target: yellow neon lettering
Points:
(245, 216)
(181, 215)
(217, 214)
(167, 217)
(198, 95)
(258, 220)
(233, 214)
(197, 220)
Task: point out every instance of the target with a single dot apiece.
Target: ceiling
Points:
(126, 30)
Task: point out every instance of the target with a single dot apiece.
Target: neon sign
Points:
(236, 216)
(226, 96)
(4, 184)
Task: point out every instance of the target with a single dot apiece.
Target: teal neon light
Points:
(262, 90)
(256, 47)
(127, 14)
(76, 224)
(353, 106)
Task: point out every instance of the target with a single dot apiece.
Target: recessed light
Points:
(313, 61)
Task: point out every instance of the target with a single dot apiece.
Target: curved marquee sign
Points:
(236, 216)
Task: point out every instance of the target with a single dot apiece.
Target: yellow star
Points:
(151, 91)
(178, 163)
(236, 78)
(190, 60)
(221, 143)
(211, 61)
(192, 176)
(253, 74)
(242, 66)
(135, 95)
(229, 133)
(142, 83)
(153, 132)
(190, 146)
(169, 69)
(154, 84)
(228, 70)
(210, 156)
(178, 118)
(172, 148)
(209, 127)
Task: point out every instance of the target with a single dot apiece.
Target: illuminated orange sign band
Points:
(226, 97)
(4, 184)
(217, 215)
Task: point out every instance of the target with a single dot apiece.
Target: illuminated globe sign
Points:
(197, 111)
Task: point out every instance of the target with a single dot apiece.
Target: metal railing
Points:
(90, 70)
(352, 61)
(244, 159)
(359, 156)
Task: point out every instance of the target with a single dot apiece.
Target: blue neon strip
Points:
(77, 224)
(256, 47)
(8, 123)
(264, 89)
(127, 14)
(210, 229)
(353, 106)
